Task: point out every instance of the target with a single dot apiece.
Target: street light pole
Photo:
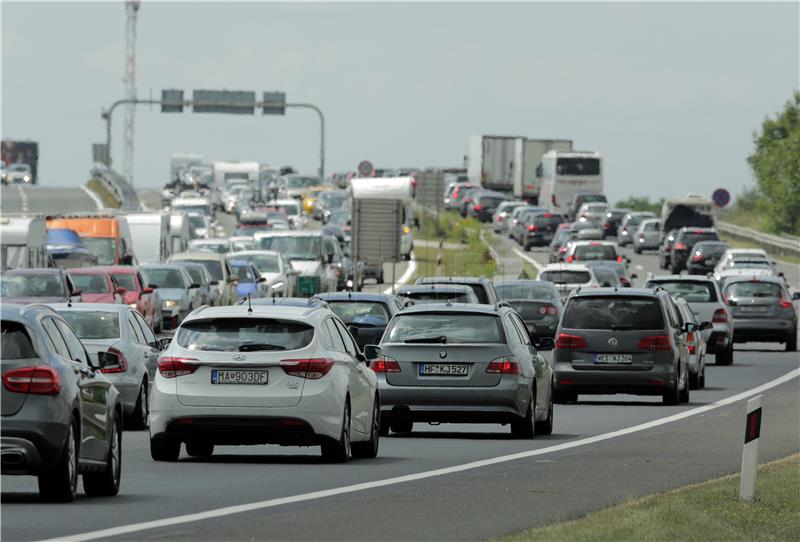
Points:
(321, 134)
(107, 114)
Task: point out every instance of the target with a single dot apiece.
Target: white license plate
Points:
(753, 309)
(443, 369)
(238, 376)
(613, 358)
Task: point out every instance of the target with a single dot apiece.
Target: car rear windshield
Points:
(693, 292)
(446, 328)
(33, 285)
(527, 291)
(595, 252)
(752, 289)
(490, 201)
(712, 249)
(436, 297)
(578, 166)
(90, 284)
(530, 310)
(613, 313)
(547, 220)
(566, 277)
(361, 312)
(690, 238)
(244, 335)
(125, 280)
(90, 325)
(213, 267)
(16, 343)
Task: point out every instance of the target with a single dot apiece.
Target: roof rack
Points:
(500, 304)
(32, 306)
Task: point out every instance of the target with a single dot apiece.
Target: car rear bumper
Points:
(655, 381)
(766, 330)
(698, 269)
(241, 430)
(31, 446)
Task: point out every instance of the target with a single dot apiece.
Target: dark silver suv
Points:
(621, 341)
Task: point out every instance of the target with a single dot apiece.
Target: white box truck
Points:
(528, 153)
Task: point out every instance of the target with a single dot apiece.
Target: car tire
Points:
(527, 247)
(200, 449)
(545, 427)
(683, 395)
(672, 396)
(637, 250)
(339, 451)
(561, 397)
(369, 448)
(523, 426)
(791, 342)
(694, 381)
(106, 483)
(384, 427)
(724, 357)
(165, 449)
(139, 417)
(60, 483)
(702, 382)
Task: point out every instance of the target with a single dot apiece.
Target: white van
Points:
(565, 173)
(178, 232)
(150, 234)
(24, 241)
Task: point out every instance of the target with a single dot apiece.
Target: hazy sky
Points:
(668, 93)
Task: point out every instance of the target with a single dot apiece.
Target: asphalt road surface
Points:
(37, 199)
(453, 482)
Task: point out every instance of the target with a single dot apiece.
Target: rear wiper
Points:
(620, 328)
(440, 339)
(256, 347)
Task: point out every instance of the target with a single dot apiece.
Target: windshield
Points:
(265, 263)
(90, 284)
(296, 181)
(90, 325)
(126, 280)
(20, 167)
(16, 343)
(32, 286)
(595, 252)
(753, 289)
(197, 221)
(243, 273)
(612, 313)
(217, 247)
(290, 209)
(527, 291)
(700, 292)
(361, 312)
(293, 247)
(194, 208)
(13, 256)
(566, 277)
(164, 277)
(244, 334)
(196, 273)
(578, 166)
(105, 248)
(213, 267)
(449, 328)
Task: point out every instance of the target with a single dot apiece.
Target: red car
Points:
(96, 285)
(138, 295)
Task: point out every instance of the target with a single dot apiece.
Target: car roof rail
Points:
(199, 309)
(501, 304)
(33, 306)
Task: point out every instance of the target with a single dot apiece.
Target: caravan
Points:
(150, 235)
(24, 241)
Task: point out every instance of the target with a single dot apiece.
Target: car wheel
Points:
(637, 250)
(702, 383)
(725, 357)
(791, 343)
(60, 484)
(684, 393)
(106, 483)
(141, 410)
(545, 427)
(673, 395)
(369, 449)
(165, 449)
(384, 427)
(200, 449)
(523, 426)
(403, 426)
(527, 247)
(339, 451)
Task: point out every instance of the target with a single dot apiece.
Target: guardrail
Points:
(776, 244)
(119, 187)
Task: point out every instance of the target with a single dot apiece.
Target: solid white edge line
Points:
(272, 503)
(97, 201)
(410, 270)
(23, 198)
(528, 259)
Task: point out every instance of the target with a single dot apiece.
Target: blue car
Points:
(250, 280)
(67, 250)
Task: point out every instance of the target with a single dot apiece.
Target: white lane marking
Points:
(23, 198)
(97, 201)
(528, 259)
(410, 270)
(314, 495)
(638, 267)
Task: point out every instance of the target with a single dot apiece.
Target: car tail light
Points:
(532, 227)
(562, 250)
(641, 237)
(38, 379)
(385, 364)
(507, 365)
(548, 215)
(171, 367)
(679, 246)
(570, 259)
(566, 341)
(123, 362)
(477, 207)
(500, 218)
(697, 258)
(785, 303)
(690, 342)
(620, 259)
(313, 369)
(624, 229)
(720, 316)
(606, 226)
(655, 342)
(547, 309)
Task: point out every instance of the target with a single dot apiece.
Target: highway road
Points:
(443, 482)
(38, 199)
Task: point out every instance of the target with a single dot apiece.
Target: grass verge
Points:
(472, 259)
(707, 511)
(452, 228)
(108, 199)
(738, 243)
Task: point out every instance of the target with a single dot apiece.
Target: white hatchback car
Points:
(569, 276)
(267, 374)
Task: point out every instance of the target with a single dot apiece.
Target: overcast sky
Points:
(668, 93)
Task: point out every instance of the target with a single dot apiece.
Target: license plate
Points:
(753, 309)
(220, 376)
(443, 369)
(613, 358)
(709, 262)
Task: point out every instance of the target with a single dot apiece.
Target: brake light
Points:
(547, 309)
(38, 379)
(655, 342)
(594, 244)
(606, 226)
(507, 365)
(500, 218)
(620, 259)
(785, 303)
(548, 215)
(697, 258)
(566, 341)
(720, 316)
(312, 369)
(385, 364)
(570, 259)
(123, 362)
(477, 207)
(679, 246)
(171, 367)
(532, 227)
(562, 250)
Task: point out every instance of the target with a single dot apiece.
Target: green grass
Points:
(473, 260)
(707, 511)
(452, 227)
(746, 218)
(738, 243)
(108, 199)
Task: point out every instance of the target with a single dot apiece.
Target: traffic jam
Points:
(261, 306)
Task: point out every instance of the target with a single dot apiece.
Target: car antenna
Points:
(250, 305)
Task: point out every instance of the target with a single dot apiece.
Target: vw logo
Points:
(612, 342)
(442, 354)
(239, 357)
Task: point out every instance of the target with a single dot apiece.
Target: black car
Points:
(558, 245)
(539, 228)
(705, 256)
(685, 240)
(484, 205)
(538, 303)
(366, 315)
(61, 416)
(612, 221)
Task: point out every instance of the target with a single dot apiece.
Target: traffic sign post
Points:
(721, 197)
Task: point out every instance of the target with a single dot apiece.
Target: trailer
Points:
(24, 241)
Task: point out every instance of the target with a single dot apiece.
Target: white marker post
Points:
(752, 433)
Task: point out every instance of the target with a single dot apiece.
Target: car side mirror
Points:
(152, 286)
(372, 351)
(164, 342)
(329, 258)
(147, 290)
(214, 283)
(690, 327)
(233, 279)
(261, 279)
(732, 302)
(120, 290)
(108, 360)
(76, 292)
(706, 325)
(544, 343)
(795, 296)
(194, 285)
(127, 259)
